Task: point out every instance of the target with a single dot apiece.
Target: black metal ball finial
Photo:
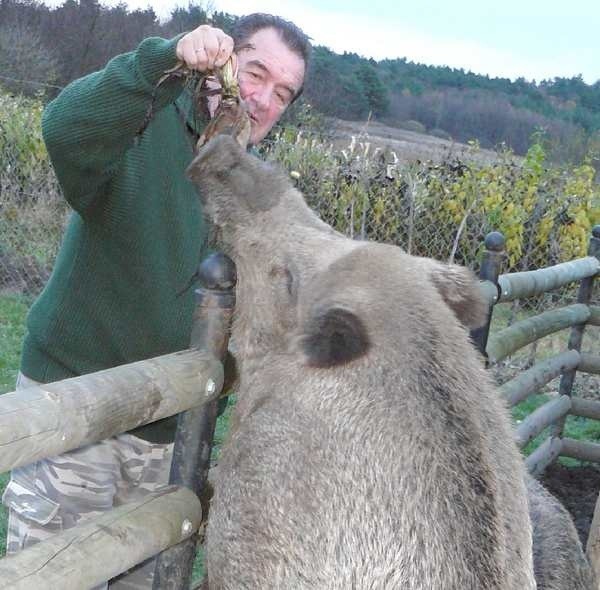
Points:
(217, 272)
(495, 241)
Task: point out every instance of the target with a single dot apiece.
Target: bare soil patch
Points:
(577, 488)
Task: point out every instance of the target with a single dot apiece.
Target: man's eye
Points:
(283, 98)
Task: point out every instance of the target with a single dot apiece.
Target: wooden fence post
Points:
(584, 296)
(490, 270)
(215, 300)
(585, 291)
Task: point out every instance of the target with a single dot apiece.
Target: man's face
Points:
(269, 76)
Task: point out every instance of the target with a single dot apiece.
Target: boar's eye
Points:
(334, 336)
(289, 281)
(286, 275)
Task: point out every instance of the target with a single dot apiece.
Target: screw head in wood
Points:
(186, 527)
(211, 386)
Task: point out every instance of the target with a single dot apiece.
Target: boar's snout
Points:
(233, 184)
(218, 156)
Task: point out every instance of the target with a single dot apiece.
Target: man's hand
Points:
(205, 48)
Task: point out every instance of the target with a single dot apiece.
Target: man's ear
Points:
(332, 336)
(459, 288)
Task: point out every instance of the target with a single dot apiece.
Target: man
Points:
(118, 290)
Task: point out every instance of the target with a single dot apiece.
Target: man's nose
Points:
(262, 97)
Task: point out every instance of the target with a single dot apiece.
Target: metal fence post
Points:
(575, 338)
(490, 270)
(215, 300)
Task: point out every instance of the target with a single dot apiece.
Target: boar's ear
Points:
(219, 155)
(333, 336)
(459, 288)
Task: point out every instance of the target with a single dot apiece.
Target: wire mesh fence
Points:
(437, 210)
(366, 196)
(32, 219)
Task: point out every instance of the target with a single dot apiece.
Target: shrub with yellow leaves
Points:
(445, 209)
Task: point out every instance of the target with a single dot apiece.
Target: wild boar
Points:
(369, 448)
(558, 557)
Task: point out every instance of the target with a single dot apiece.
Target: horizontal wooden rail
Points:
(544, 455)
(585, 408)
(520, 334)
(578, 449)
(590, 363)
(489, 291)
(49, 419)
(526, 284)
(533, 379)
(91, 553)
(541, 418)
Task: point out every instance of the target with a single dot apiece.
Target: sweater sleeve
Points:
(94, 120)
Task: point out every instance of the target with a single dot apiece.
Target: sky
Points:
(533, 39)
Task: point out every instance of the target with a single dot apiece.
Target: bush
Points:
(445, 210)
(27, 65)
(412, 125)
(32, 213)
(437, 132)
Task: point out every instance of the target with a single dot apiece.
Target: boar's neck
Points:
(256, 330)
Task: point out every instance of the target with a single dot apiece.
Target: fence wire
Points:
(33, 215)
(364, 196)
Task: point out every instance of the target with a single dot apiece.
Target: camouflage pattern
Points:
(55, 494)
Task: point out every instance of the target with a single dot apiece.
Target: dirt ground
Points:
(577, 488)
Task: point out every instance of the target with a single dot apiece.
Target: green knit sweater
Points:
(136, 235)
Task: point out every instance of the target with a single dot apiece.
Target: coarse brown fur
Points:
(558, 557)
(369, 449)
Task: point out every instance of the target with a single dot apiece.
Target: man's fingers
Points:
(211, 48)
(205, 48)
(224, 52)
(199, 59)
(186, 52)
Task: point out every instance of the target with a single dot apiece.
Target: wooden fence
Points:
(50, 419)
(551, 416)
(504, 288)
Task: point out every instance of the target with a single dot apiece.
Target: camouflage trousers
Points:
(55, 494)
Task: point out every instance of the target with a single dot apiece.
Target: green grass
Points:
(576, 427)
(13, 309)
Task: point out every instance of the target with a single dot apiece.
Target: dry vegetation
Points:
(409, 146)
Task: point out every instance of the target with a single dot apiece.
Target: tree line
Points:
(42, 49)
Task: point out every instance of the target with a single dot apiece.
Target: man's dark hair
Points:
(296, 40)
